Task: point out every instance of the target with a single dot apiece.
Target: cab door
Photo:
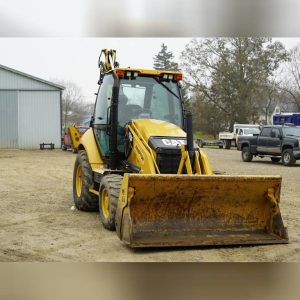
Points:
(262, 140)
(274, 142)
(102, 115)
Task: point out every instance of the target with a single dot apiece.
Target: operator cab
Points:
(148, 95)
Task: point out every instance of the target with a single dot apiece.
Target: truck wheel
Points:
(288, 158)
(275, 159)
(82, 181)
(200, 143)
(227, 144)
(108, 199)
(246, 154)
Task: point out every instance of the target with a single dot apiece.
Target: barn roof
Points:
(32, 77)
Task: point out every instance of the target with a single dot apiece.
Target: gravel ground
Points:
(37, 224)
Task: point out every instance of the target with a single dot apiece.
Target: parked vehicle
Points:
(275, 141)
(227, 138)
(201, 143)
(70, 139)
(287, 118)
(247, 132)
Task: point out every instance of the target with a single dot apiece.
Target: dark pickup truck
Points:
(276, 142)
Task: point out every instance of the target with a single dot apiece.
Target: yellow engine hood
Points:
(152, 127)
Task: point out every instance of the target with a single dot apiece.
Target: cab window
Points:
(266, 131)
(275, 133)
(104, 100)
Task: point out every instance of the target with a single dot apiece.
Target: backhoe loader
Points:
(72, 137)
(139, 166)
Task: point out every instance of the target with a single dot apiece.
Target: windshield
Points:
(146, 98)
(291, 131)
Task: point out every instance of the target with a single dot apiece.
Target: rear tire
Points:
(275, 159)
(247, 156)
(108, 199)
(288, 158)
(227, 144)
(82, 181)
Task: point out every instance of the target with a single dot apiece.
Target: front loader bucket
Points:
(199, 210)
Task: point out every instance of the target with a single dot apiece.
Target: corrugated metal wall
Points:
(39, 118)
(14, 81)
(8, 119)
(29, 111)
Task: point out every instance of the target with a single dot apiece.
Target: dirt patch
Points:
(37, 224)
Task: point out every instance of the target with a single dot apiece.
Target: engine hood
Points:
(151, 127)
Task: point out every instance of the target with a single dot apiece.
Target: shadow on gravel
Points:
(171, 249)
(272, 163)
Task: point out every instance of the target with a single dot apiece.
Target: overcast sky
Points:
(75, 59)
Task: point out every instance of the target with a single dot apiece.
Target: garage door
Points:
(39, 118)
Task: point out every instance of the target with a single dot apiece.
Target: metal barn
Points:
(30, 111)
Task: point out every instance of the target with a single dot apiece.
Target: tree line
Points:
(235, 80)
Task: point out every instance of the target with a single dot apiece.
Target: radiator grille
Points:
(168, 160)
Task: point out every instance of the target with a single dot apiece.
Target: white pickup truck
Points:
(238, 130)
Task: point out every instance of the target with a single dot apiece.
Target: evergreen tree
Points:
(164, 60)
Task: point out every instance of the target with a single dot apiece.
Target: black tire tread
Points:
(113, 184)
(227, 144)
(292, 161)
(87, 201)
(244, 149)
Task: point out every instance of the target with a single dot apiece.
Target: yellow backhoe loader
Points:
(74, 133)
(139, 166)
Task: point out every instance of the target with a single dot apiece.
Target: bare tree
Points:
(291, 82)
(73, 105)
(271, 96)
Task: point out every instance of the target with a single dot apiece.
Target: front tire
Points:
(288, 158)
(82, 181)
(108, 199)
(247, 156)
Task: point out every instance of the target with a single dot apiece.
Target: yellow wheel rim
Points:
(79, 180)
(105, 203)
